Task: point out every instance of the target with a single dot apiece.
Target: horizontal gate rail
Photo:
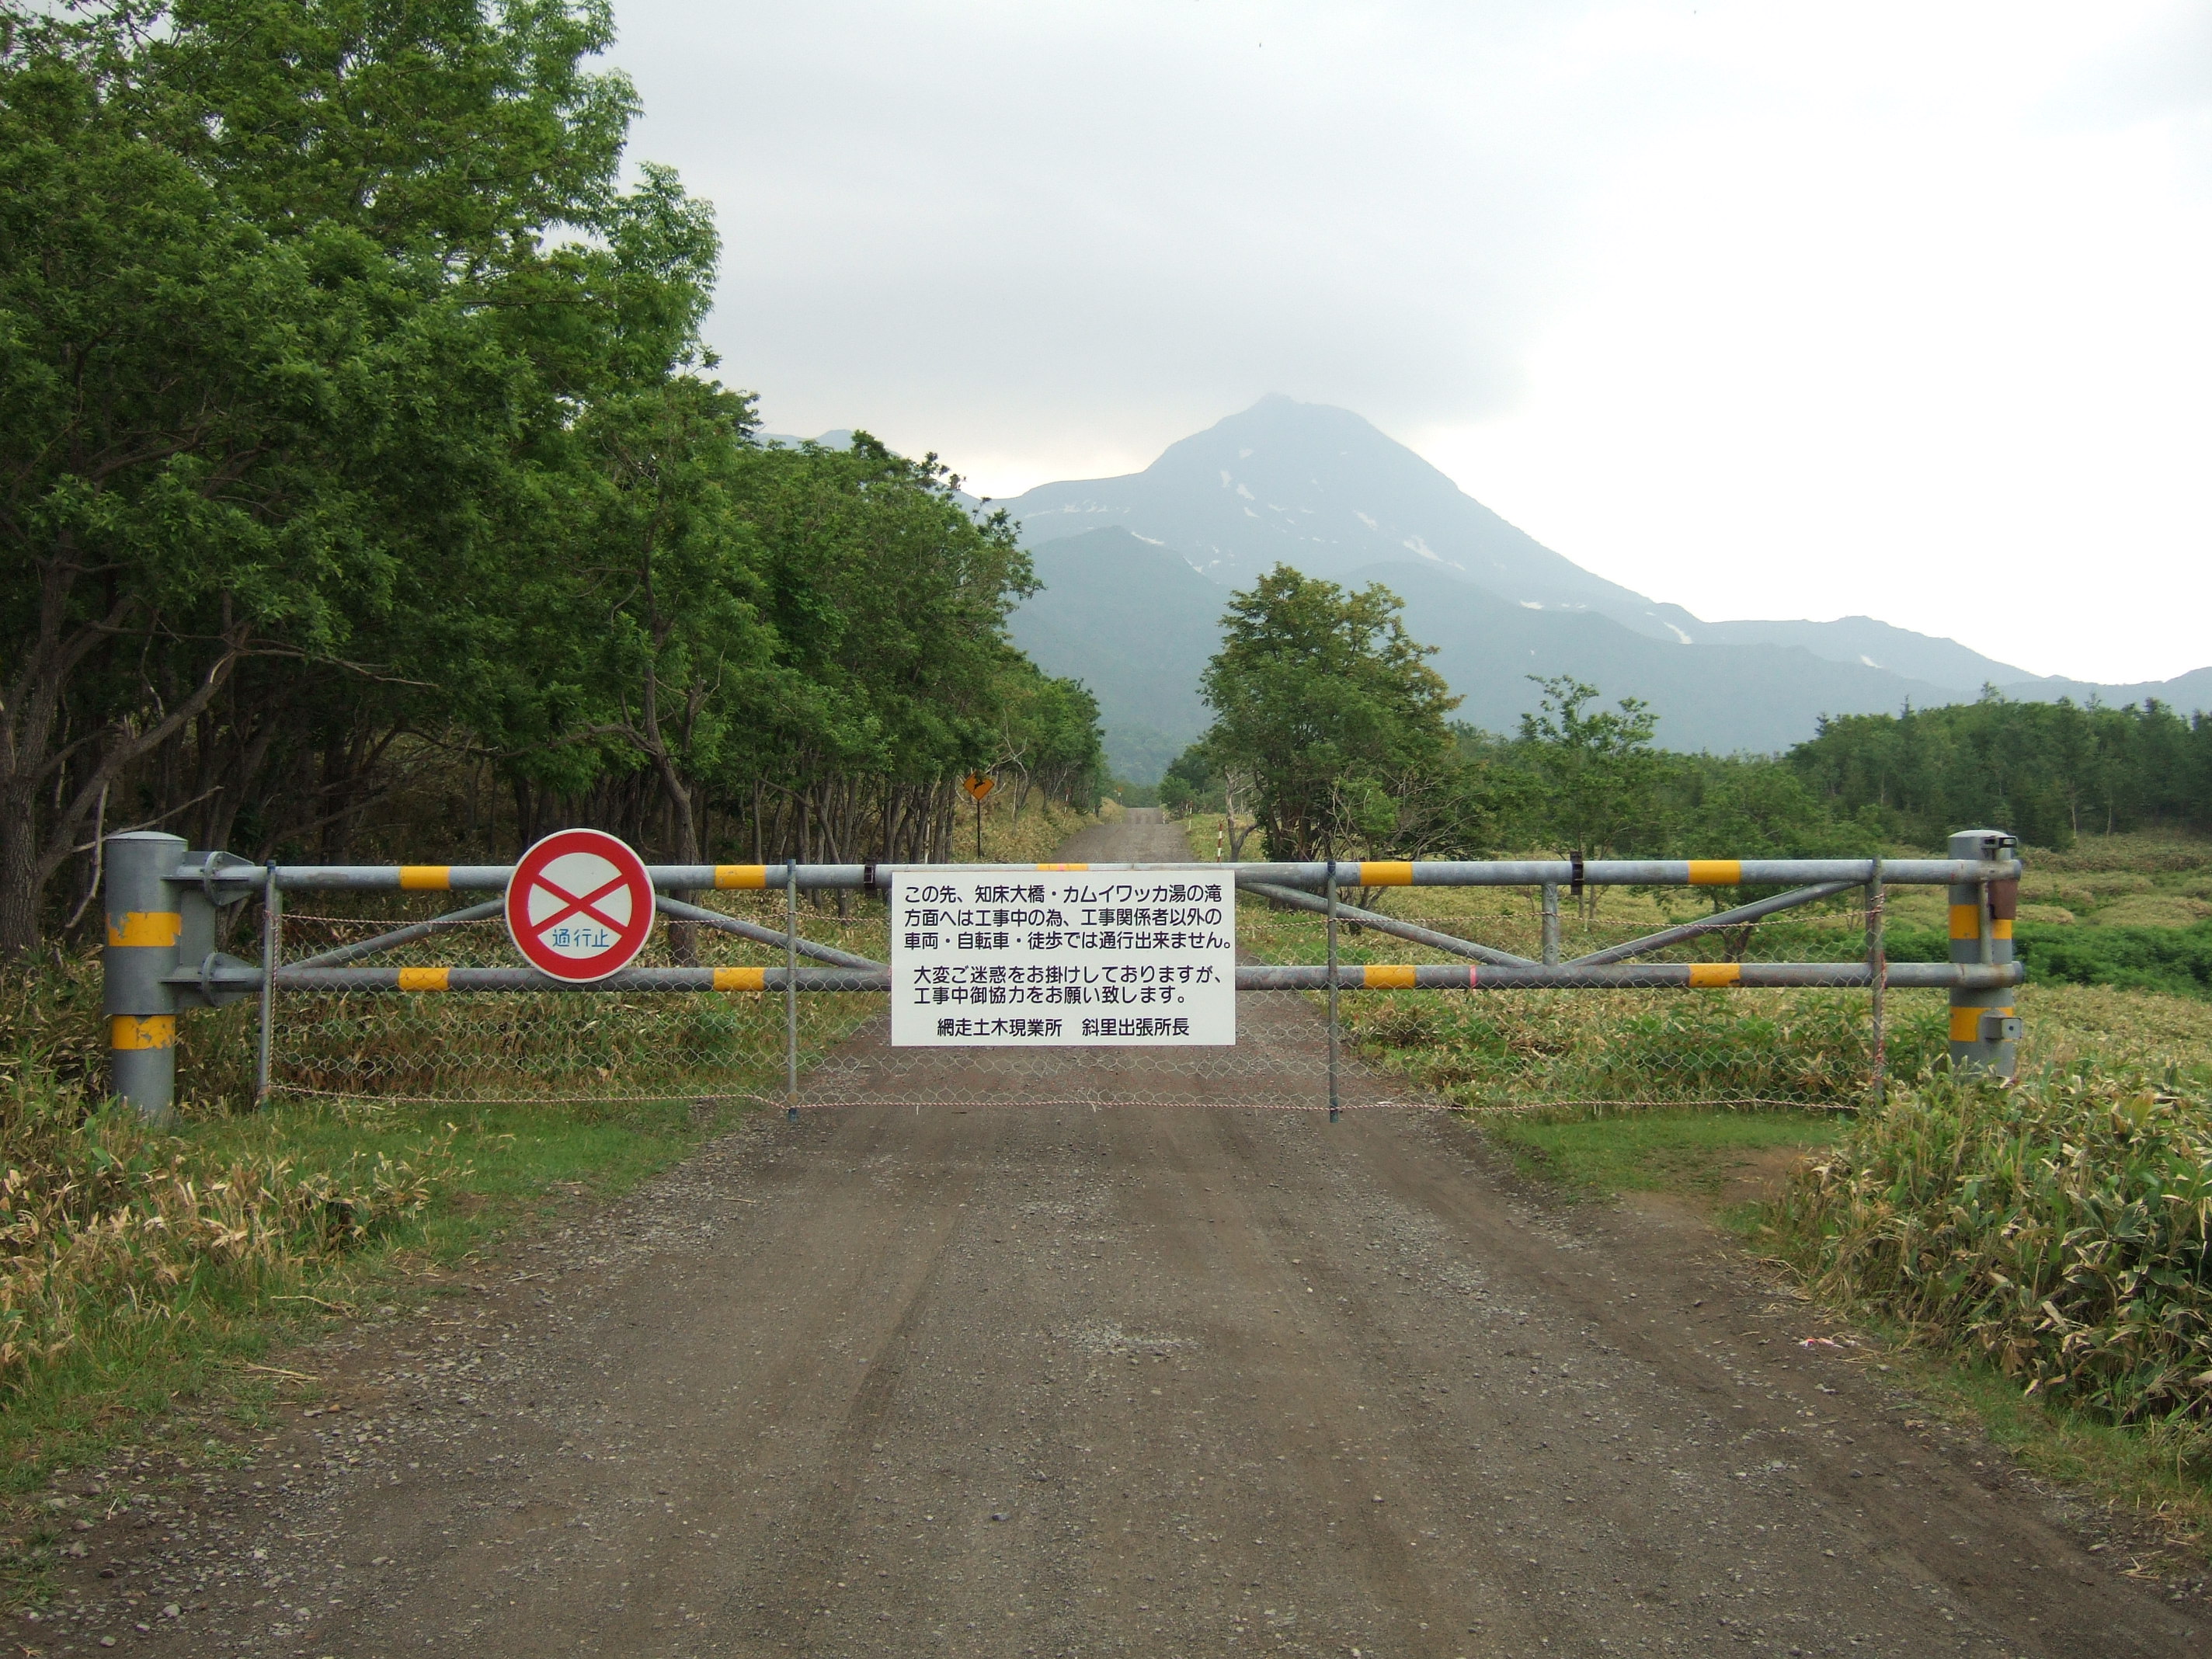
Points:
(242, 880)
(1425, 976)
(1640, 976)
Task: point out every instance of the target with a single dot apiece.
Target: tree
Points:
(299, 301)
(1327, 704)
(1595, 766)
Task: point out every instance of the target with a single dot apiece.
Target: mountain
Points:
(1321, 490)
(1136, 624)
(1324, 491)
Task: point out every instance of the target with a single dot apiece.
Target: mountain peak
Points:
(1325, 490)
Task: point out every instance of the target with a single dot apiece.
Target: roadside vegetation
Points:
(139, 1267)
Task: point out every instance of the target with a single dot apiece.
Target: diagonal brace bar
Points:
(1382, 924)
(1743, 913)
(758, 934)
(397, 937)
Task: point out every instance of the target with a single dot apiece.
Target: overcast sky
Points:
(1770, 310)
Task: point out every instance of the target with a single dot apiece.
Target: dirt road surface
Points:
(1013, 1382)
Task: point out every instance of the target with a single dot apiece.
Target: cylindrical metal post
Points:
(1335, 1108)
(791, 990)
(272, 958)
(142, 928)
(1878, 965)
(1985, 1028)
(1551, 924)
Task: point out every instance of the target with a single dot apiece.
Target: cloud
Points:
(1767, 310)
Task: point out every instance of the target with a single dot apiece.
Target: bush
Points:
(2060, 1227)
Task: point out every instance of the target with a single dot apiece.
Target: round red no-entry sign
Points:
(580, 905)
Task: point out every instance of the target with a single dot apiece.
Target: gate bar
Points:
(758, 934)
(398, 936)
(1968, 977)
(1743, 913)
(1411, 932)
(1465, 872)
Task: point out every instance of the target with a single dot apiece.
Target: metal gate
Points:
(734, 1003)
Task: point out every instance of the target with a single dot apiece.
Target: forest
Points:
(366, 487)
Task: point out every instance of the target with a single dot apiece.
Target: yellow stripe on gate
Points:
(1966, 923)
(1063, 867)
(1966, 1022)
(1712, 975)
(1389, 873)
(153, 1031)
(136, 928)
(740, 875)
(426, 979)
(1716, 873)
(1389, 979)
(741, 979)
(425, 877)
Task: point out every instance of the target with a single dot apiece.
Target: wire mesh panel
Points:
(1524, 1049)
(1475, 1049)
(557, 1045)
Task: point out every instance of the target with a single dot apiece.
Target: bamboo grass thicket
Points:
(2061, 1227)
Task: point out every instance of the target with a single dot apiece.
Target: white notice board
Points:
(1037, 959)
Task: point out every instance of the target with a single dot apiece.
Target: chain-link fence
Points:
(1475, 1048)
(1515, 1050)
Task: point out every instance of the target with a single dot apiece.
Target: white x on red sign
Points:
(580, 905)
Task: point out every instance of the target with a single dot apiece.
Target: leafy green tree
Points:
(1597, 772)
(1327, 704)
(889, 602)
(299, 302)
(1188, 782)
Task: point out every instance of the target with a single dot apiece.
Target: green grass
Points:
(1695, 1154)
(2174, 960)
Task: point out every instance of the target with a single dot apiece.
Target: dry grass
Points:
(106, 1224)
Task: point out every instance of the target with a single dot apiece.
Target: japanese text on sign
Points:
(1011, 959)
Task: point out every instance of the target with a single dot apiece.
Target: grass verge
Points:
(148, 1310)
(1710, 1158)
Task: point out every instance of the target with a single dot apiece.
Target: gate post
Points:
(1984, 1029)
(143, 927)
(1335, 1106)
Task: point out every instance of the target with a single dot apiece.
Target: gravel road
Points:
(1056, 1381)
